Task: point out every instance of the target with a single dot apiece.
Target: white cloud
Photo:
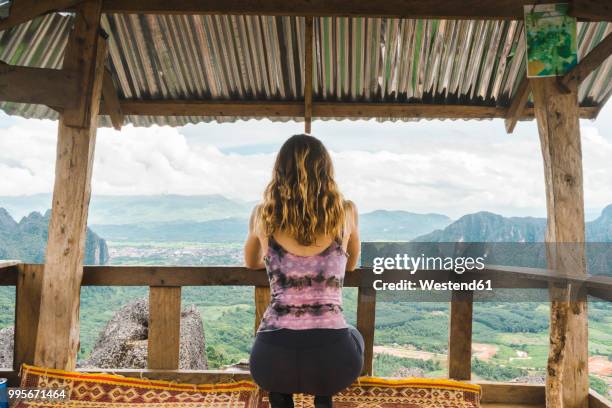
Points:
(447, 167)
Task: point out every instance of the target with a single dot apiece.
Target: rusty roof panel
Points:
(257, 58)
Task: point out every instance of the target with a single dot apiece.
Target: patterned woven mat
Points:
(107, 390)
(370, 392)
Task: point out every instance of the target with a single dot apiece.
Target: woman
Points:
(306, 237)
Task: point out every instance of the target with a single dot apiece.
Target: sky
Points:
(448, 167)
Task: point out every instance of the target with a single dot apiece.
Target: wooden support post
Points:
(262, 300)
(567, 383)
(164, 328)
(366, 320)
(308, 44)
(27, 308)
(58, 331)
(460, 336)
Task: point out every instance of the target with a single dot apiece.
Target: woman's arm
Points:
(354, 243)
(253, 252)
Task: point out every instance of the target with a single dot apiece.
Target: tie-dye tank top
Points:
(306, 290)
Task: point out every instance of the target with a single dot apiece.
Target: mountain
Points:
(398, 225)
(138, 209)
(223, 230)
(600, 229)
(26, 240)
(375, 226)
(488, 227)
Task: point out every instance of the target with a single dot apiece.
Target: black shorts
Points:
(316, 361)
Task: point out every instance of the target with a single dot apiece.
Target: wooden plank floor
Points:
(502, 405)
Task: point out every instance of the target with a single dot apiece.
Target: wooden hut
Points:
(93, 63)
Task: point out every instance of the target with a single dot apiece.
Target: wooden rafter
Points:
(518, 104)
(323, 110)
(590, 62)
(447, 9)
(110, 101)
(25, 10)
(308, 62)
(52, 87)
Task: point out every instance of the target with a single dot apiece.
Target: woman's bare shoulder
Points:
(350, 209)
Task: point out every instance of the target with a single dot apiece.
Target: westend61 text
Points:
(428, 284)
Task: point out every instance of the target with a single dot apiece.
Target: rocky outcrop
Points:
(123, 342)
(409, 372)
(6, 347)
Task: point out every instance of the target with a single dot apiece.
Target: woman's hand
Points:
(354, 243)
(253, 251)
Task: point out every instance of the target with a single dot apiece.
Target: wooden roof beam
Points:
(323, 109)
(52, 87)
(110, 102)
(445, 9)
(590, 62)
(518, 104)
(25, 10)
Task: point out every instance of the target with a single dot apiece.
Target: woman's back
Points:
(306, 289)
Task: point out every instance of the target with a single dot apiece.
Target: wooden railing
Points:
(165, 284)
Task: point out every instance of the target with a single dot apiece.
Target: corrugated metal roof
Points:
(261, 58)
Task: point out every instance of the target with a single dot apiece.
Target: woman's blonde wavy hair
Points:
(302, 199)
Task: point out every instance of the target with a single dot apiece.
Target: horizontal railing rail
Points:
(170, 276)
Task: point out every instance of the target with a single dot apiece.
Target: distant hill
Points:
(600, 229)
(398, 225)
(375, 226)
(26, 240)
(489, 227)
(139, 208)
(224, 230)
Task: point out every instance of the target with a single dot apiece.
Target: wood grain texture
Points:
(508, 393)
(82, 58)
(591, 10)
(111, 100)
(262, 300)
(590, 62)
(52, 87)
(518, 104)
(27, 311)
(308, 78)
(567, 382)
(164, 328)
(58, 330)
(366, 320)
(268, 109)
(460, 336)
(444, 9)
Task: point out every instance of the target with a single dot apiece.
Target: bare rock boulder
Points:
(6, 347)
(123, 342)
